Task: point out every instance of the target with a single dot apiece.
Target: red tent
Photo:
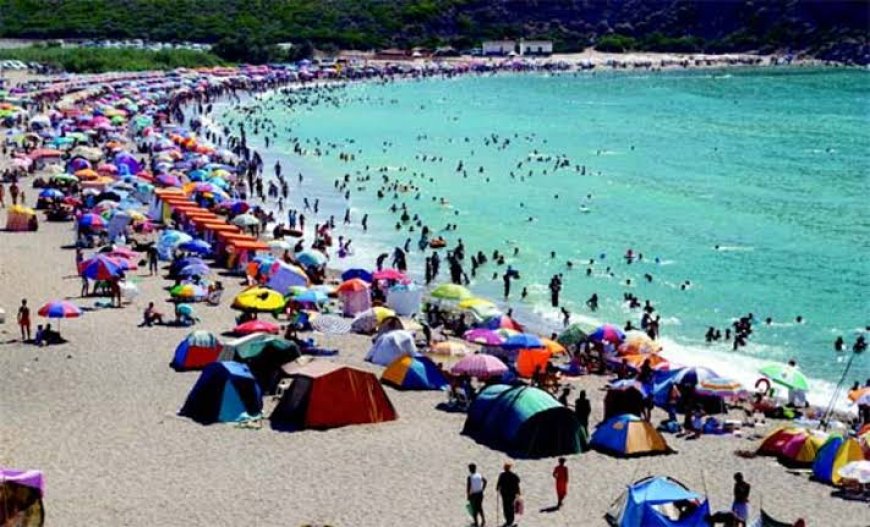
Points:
(329, 395)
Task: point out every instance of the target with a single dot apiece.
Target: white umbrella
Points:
(245, 220)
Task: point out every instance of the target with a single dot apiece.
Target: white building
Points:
(498, 47)
(536, 47)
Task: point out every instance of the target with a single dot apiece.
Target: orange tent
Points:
(528, 360)
(329, 395)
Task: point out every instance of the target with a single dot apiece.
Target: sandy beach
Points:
(98, 416)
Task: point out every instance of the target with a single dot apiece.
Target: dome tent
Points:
(326, 395)
(390, 346)
(225, 392)
(524, 422)
(197, 350)
(414, 373)
(628, 435)
(651, 502)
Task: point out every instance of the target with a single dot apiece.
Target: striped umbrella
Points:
(60, 309)
(101, 268)
(188, 292)
(719, 387)
(331, 324)
(487, 337)
(608, 333)
(92, 221)
(480, 365)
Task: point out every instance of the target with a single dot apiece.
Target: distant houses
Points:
(503, 48)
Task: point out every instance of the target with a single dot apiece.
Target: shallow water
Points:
(770, 165)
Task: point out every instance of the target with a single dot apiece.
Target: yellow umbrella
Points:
(382, 313)
(259, 299)
(476, 303)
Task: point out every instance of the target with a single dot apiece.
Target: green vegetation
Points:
(248, 29)
(89, 60)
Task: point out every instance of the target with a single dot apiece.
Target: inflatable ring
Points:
(762, 382)
(438, 244)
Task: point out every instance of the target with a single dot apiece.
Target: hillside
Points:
(832, 29)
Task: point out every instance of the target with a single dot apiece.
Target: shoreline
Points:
(536, 316)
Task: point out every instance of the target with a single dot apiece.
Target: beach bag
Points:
(519, 506)
(469, 508)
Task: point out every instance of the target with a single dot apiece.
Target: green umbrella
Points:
(63, 177)
(451, 292)
(787, 376)
(572, 336)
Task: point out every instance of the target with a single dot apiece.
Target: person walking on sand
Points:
(508, 486)
(24, 320)
(740, 507)
(475, 485)
(582, 409)
(560, 474)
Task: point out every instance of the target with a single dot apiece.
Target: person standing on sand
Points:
(560, 474)
(740, 507)
(2, 196)
(582, 409)
(475, 485)
(24, 320)
(508, 486)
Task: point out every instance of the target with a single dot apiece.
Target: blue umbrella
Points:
(310, 297)
(362, 274)
(194, 270)
(522, 341)
(311, 258)
(51, 193)
(196, 246)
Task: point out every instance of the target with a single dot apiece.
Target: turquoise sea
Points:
(770, 165)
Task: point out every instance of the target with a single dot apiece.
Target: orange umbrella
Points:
(529, 360)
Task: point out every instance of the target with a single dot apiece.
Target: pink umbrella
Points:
(256, 326)
(487, 337)
(389, 274)
(480, 365)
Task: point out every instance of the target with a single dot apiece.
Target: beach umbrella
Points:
(245, 220)
(486, 337)
(331, 324)
(638, 342)
(188, 291)
(607, 333)
(554, 347)
(91, 221)
(362, 274)
(692, 375)
(636, 361)
(479, 365)
(51, 193)
(354, 285)
(168, 180)
(453, 292)
(308, 296)
(279, 246)
(389, 274)
(64, 178)
(256, 326)
(786, 375)
(449, 348)
(311, 258)
(500, 322)
(194, 269)
(171, 238)
(531, 360)
(522, 341)
(101, 268)
(720, 387)
(572, 336)
(195, 246)
(59, 309)
(259, 299)
(857, 471)
(801, 449)
(854, 395)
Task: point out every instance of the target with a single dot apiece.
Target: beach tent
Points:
(21, 494)
(627, 436)
(523, 422)
(283, 276)
(655, 502)
(834, 455)
(414, 373)
(801, 449)
(405, 299)
(774, 443)
(20, 218)
(355, 296)
(198, 349)
(326, 395)
(225, 392)
(390, 346)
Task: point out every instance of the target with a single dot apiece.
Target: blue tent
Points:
(655, 502)
(524, 422)
(414, 373)
(362, 274)
(225, 392)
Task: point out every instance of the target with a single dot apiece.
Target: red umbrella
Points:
(352, 286)
(256, 326)
(480, 365)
